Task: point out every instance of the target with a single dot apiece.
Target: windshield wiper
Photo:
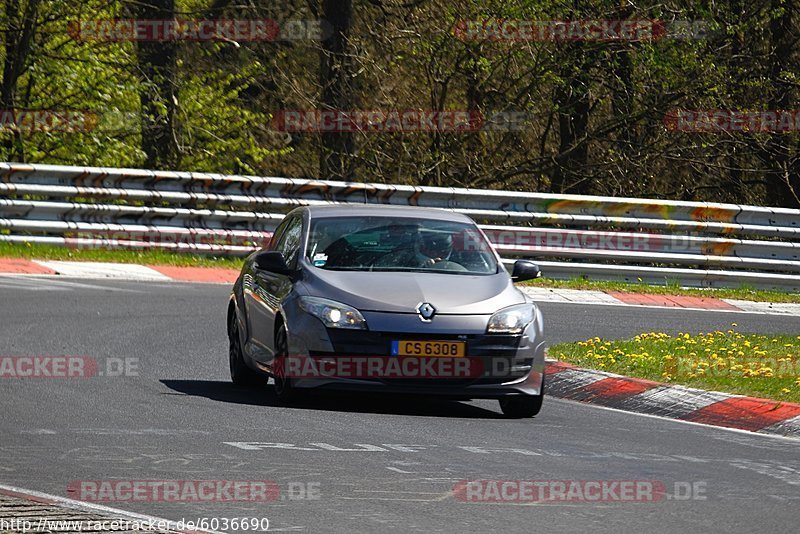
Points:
(344, 268)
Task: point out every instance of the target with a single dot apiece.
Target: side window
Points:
(276, 235)
(288, 242)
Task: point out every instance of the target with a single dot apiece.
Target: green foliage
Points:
(140, 257)
(407, 56)
(218, 133)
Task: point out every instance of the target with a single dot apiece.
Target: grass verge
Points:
(747, 364)
(743, 292)
(147, 257)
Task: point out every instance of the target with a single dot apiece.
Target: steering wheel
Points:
(445, 265)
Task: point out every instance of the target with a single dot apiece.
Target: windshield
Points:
(399, 244)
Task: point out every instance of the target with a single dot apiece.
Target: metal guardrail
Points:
(694, 243)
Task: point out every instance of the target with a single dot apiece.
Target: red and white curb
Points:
(566, 381)
(118, 271)
(617, 298)
(39, 509)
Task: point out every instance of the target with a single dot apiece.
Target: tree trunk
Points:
(572, 99)
(158, 94)
(18, 41)
(783, 181)
(732, 185)
(336, 73)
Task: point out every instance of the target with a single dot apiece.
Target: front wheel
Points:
(521, 406)
(241, 374)
(284, 390)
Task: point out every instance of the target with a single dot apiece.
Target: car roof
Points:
(384, 210)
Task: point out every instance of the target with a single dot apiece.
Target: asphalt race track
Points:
(386, 464)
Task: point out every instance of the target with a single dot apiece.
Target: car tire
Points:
(241, 374)
(284, 391)
(521, 406)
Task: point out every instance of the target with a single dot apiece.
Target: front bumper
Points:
(512, 364)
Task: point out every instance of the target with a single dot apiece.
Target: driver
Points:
(436, 247)
(417, 247)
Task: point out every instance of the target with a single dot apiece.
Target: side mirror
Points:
(525, 270)
(272, 261)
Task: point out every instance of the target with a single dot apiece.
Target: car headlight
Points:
(333, 314)
(511, 320)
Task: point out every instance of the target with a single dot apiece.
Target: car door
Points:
(252, 294)
(271, 288)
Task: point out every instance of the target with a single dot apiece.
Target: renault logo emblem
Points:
(425, 311)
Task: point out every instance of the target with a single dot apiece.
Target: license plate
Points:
(444, 349)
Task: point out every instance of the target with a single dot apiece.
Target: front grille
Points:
(360, 342)
(492, 350)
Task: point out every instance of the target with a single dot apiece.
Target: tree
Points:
(158, 96)
(780, 154)
(336, 79)
(20, 27)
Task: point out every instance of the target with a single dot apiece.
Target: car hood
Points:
(401, 292)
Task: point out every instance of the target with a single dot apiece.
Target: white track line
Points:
(51, 283)
(750, 433)
(775, 308)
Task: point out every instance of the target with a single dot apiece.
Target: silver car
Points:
(386, 299)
